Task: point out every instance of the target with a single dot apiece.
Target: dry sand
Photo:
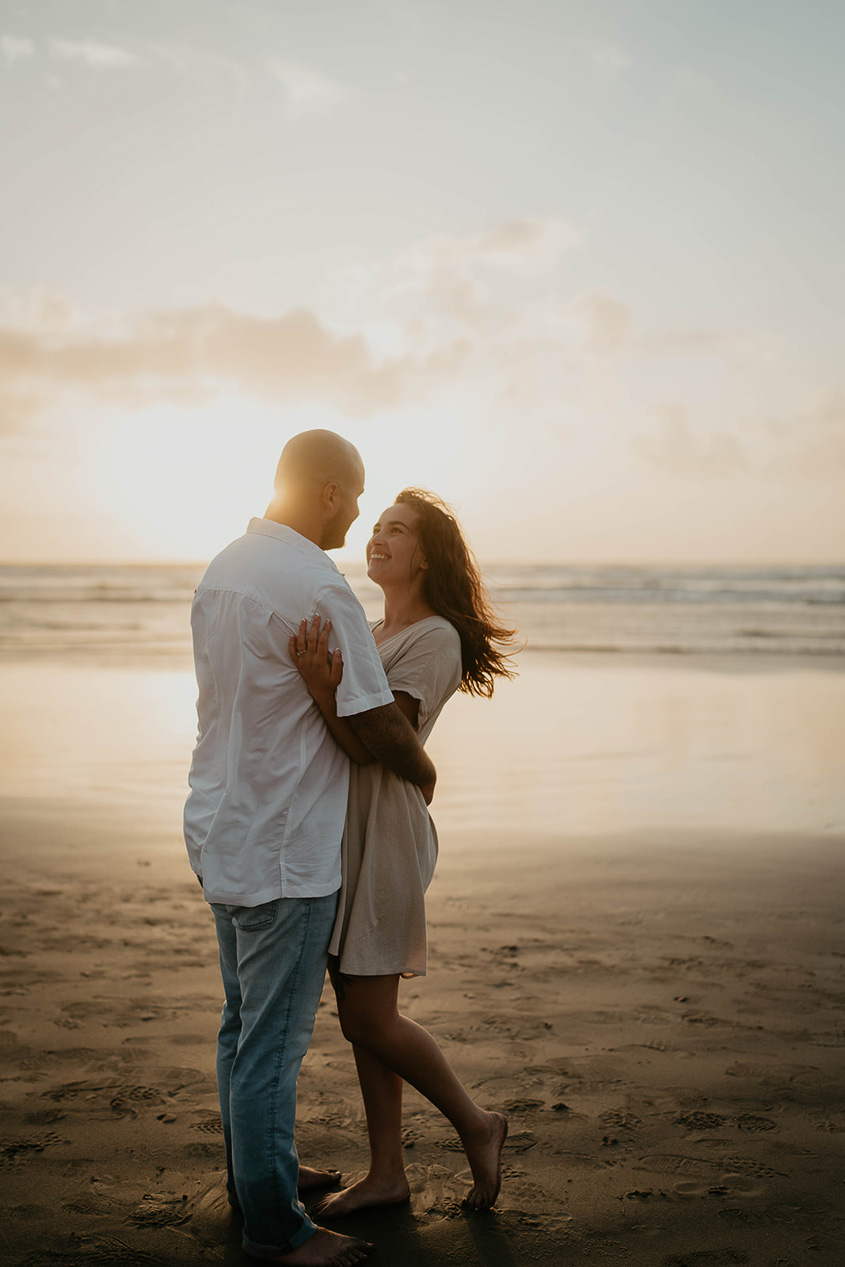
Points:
(661, 1018)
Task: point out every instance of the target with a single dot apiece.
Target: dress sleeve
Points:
(363, 685)
(429, 668)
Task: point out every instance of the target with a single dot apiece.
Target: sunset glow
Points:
(576, 267)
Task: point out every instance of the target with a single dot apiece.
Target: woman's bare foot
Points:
(326, 1249)
(364, 1194)
(310, 1179)
(485, 1159)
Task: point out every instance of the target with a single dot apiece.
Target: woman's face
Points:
(394, 554)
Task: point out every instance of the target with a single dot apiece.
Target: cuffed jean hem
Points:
(269, 1251)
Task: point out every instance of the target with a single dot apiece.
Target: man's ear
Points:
(330, 494)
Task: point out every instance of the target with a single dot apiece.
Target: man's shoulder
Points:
(277, 574)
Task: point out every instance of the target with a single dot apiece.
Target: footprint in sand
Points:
(696, 1121)
(620, 1120)
(161, 1212)
(675, 1164)
(752, 1122)
(770, 1075)
(128, 1100)
(17, 1148)
(117, 1098)
(748, 1166)
(735, 1216)
(744, 1185)
(44, 1117)
(688, 1189)
(523, 1106)
(211, 1126)
(436, 1189)
(834, 1125)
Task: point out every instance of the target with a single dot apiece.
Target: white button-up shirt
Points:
(268, 782)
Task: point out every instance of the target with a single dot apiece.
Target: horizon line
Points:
(523, 561)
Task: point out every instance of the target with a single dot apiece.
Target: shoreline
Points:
(116, 657)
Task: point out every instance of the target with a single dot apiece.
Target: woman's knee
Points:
(365, 1022)
(357, 1027)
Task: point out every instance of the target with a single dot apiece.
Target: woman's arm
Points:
(407, 705)
(309, 650)
(391, 728)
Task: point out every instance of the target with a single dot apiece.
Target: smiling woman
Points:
(394, 547)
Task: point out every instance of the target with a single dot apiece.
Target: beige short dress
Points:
(389, 841)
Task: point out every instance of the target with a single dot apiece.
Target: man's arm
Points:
(389, 736)
(391, 727)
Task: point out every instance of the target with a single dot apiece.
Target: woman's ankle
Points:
(386, 1175)
(479, 1130)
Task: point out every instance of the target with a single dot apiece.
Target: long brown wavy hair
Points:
(455, 589)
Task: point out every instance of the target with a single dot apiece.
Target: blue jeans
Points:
(273, 963)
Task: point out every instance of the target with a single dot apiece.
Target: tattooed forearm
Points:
(388, 735)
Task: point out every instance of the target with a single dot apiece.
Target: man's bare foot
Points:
(485, 1159)
(364, 1194)
(326, 1249)
(310, 1179)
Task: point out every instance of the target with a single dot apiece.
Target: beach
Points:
(636, 951)
(560, 283)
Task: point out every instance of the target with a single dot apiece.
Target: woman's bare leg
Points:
(381, 1090)
(371, 1021)
(385, 1182)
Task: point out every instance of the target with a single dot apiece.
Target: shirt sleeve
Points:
(429, 669)
(363, 685)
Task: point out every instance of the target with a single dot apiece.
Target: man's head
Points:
(318, 481)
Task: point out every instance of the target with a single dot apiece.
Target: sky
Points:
(575, 265)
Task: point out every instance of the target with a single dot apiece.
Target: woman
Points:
(438, 635)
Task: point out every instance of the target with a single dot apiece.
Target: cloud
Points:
(811, 443)
(682, 341)
(189, 354)
(465, 285)
(678, 449)
(609, 328)
(525, 246)
(50, 310)
(307, 91)
(16, 48)
(187, 62)
(179, 60)
(18, 410)
(608, 322)
(94, 54)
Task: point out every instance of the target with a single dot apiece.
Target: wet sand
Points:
(637, 952)
(661, 1018)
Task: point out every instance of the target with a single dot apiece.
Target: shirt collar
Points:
(281, 532)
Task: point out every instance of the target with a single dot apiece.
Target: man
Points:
(264, 820)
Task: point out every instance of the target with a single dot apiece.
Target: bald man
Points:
(264, 819)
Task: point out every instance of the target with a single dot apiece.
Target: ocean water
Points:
(135, 612)
(615, 723)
